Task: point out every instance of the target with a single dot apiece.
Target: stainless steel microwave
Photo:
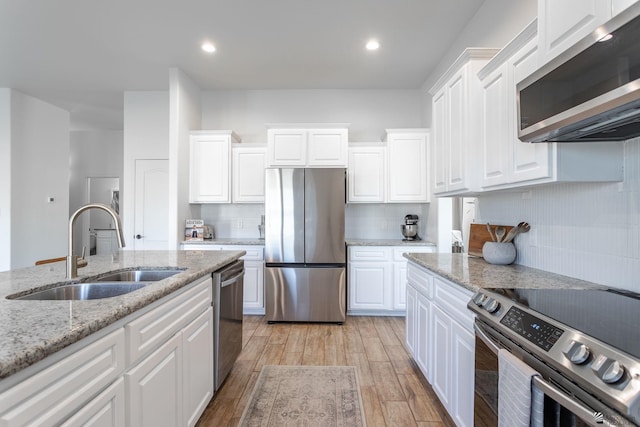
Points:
(591, 92)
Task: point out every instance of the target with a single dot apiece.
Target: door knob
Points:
(138, 236)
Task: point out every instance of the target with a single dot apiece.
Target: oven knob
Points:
(479, 299)
(613, 373)
(577, 353)
(491, 305)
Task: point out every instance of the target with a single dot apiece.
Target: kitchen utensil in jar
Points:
(493, 238)
(500, 232)
(522, 227)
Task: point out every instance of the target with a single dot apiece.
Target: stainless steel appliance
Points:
(227, 336)
(305, 253)
(591, 92)
(584, 343)
(410, 227)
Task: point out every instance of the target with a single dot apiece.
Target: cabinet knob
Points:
(138, 236)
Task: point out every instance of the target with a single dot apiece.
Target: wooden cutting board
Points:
(478, 235)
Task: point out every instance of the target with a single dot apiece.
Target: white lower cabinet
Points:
(156, 369)
(441, 340)
(377, 279)
(253, 289)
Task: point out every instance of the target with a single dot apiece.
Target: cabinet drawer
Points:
(398, 251)
(420, 279)
(253, 253)
(453, 300)
(51, 395)
(150, 330)
(369, 253)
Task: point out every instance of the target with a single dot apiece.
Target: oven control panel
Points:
(531, 328)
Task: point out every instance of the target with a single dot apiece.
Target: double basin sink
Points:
(106, 286)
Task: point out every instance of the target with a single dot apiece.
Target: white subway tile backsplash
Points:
(588, 231)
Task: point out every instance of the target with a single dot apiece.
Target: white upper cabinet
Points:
(210, 166)
(307, 147)
(248, 174)
(561, 23)
(507, 162)
(366, 174)
(618, 6)
(455, 124)
(407, 162)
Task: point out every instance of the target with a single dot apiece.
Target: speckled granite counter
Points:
(33, 330)
(231, 241)
(388, 242)
(475, 273)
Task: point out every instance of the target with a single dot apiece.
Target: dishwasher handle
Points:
(233, 280)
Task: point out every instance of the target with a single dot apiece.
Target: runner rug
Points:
(305, 396)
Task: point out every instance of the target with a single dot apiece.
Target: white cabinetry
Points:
(618, 6)
(407, 160)
(248, 174)
(106, 241)
(302, 146)
(563, 23)
(455, 124)
(441, 340)
(507, 162)
(210, 166)
(366, 175)
(377, 278)
(253, 290)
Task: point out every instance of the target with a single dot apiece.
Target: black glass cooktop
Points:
(611, 316)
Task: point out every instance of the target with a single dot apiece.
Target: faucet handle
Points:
(81, 261)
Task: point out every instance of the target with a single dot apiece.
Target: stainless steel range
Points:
(584, 343)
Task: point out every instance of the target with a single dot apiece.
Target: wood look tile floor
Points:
(394, 391)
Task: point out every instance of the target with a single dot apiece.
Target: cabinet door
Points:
(458, 124)
(369, 286)
(197, 350)
(440, 142)
(407, 163)
(399, 285)
(327, 147)
(528, 161)
(253, 291)
(618, 6)
(366, 175)
(248, 174)
(411, 320)
(440, 355)
(154, 387)
(286, 147)
(564, 22)
(495, 133)
(463, 361)
(105, 410)
(423, 336)
(210, 164)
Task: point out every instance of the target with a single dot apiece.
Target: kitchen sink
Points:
(138, 275)
(85, 291)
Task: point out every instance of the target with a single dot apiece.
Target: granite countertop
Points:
(475, 273)
(32, 330)
(235, 241)
(388, 242)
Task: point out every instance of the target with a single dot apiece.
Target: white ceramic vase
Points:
(499, 253)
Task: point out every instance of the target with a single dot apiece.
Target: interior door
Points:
(151, 216)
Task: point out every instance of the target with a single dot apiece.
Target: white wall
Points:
(40, 169)
(92, 154)
(5, 179)
(368, 111)
(588, 231)
(185, 116)
(146, 136)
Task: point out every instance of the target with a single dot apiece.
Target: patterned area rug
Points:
(305, 396)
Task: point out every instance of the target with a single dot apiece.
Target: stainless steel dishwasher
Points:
(227, 333)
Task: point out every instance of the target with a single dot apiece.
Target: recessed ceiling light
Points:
(605, 37)
(208, 47)
(372, 45)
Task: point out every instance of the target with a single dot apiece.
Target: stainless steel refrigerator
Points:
(305, 256)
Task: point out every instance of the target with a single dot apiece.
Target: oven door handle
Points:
(493, 346)
(578, 408)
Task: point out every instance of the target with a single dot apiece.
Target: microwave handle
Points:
(486, 339)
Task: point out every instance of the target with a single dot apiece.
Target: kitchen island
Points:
(145, 356)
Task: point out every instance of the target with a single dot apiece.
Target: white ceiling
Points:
(83, 54)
